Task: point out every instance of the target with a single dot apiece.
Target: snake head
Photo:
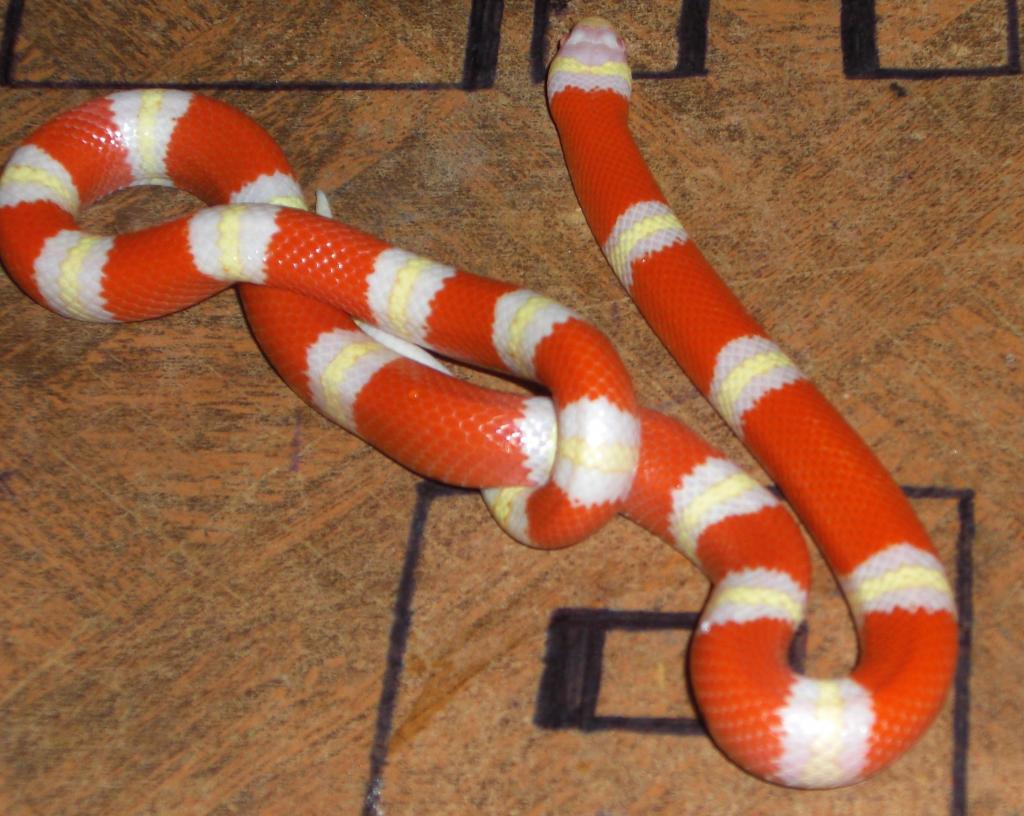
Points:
(591, 57)
(594, 40)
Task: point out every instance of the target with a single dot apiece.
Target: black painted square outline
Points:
(571, 682)
(479, 71)
(570, 685)
(691, 37)
(858, 25)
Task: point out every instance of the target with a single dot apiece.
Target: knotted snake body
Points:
(553, 470)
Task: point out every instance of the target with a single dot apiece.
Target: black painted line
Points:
(962, 680)
(692, 37)
(857, 38)
(593, 661)
(940, 73)
(629, 620)
(559, 680)
(1013, 36)
(676, 726)
(483, 42)
(426, 493)
(936, 492)
(12, 26)
(539, 41)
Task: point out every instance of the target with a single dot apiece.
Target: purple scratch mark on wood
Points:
(297, 443)
(6, 491)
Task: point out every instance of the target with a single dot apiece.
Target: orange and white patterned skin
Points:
(553, 470)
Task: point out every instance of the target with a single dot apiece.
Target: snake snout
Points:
(593, 41)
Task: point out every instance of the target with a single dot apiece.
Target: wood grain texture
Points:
(198, 574)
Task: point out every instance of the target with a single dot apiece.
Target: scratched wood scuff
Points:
(164, 42)
(201, 602)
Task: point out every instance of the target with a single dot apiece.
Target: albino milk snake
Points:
(553, 470)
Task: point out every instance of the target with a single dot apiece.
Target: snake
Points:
(355, 326)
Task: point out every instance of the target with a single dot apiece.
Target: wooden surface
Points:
(213, 601)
